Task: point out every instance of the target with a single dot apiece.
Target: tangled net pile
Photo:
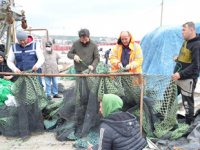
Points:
(26, 117)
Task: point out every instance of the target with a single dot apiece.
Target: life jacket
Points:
(25, 56)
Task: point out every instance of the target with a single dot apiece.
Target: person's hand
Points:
(77, 58)
(176, 76)
(8, 77)
(18, 71)
(128, 67)
(175, 58)
(89, 147)
(90, 67)
(120, 66)
(34, 69)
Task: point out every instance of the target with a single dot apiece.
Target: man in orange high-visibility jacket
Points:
(127, 54)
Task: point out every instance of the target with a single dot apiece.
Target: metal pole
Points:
(69, 75)
(91, 75)
(161, 17)
(141, 100)
(8, 39)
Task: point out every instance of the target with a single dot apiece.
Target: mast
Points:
(161, 16)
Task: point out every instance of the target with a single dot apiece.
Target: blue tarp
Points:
(159, 47)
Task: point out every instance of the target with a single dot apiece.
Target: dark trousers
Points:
(188, 102)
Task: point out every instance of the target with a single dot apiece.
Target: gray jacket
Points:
(50, 65)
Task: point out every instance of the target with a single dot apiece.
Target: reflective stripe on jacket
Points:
(25, 56)
(135, 60)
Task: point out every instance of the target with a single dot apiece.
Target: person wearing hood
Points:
(118, 130)
(50, 66)
(126, 55)
(4, 68)
(186, 71)
(84, 52)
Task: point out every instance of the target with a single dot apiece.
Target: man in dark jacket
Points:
(118, 130)
(84, 52)
(187, 68)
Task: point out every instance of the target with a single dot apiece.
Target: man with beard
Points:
(85, 54)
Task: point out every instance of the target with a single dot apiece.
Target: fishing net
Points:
(70, 70)
(159, 48)
(26, 116)
(77, 116)
(5, 90)
(80, 110)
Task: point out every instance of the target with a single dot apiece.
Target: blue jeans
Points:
(48, 81)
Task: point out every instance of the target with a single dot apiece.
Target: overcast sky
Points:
(107, 17)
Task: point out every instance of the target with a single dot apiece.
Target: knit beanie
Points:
(21, 35)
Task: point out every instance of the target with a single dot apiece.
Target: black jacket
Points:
(120, 131)
(5, 68)
(190, 70)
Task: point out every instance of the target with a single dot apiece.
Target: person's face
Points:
(100, 108)
(1, 59)
(23, 42)
(186, 32)
(84, 39)
(125, 38)
(49, 50)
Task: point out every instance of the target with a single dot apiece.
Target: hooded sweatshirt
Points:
(188, 62)
(118, 130)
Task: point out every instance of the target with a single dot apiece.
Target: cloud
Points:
(107, 17)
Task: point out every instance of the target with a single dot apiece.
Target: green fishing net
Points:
(5, 90)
